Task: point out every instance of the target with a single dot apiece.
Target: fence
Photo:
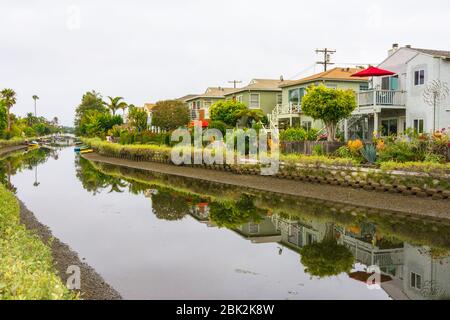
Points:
(307, 147)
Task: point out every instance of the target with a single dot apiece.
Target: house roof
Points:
(438, 53)
(212, 92)
(335, 74)
(187, 97)
(260, 85)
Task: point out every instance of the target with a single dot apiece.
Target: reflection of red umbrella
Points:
(373, 72)
(364, 276)
(203, 123)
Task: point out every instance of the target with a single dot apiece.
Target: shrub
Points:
(219, 125)
(170, 114)
(26, 265)
(298, 134)
(228, 112)
(399, 151)
(355, 145)
(369, 153)
(318, 150)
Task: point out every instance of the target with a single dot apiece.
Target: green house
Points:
(262, 94)
(289, 113)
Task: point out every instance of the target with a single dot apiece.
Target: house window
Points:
(240, 98)
(418, 125)
(307, 125)
(296, 96)
(389, 127)
(253, 228)
(206, 103)
(254, 100)
(279, 98)
(416, 281)
(364, 87)
(389, 83)
(419, 77)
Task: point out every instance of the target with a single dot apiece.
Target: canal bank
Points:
(93, 286)
(7, 150)
(414, 206)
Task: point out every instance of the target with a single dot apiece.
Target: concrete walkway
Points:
(410, 205)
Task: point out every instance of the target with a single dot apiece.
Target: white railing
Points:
(288, 108)
(381, 98)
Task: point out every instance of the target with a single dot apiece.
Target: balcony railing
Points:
(290, 108)
(381, 98)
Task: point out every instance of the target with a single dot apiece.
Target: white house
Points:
(397, 102)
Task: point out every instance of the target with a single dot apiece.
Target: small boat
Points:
(78, 149)
(86, 151)
(33, 145)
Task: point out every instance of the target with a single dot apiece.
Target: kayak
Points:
(86, 151)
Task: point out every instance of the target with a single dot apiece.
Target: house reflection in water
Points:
(415, 272)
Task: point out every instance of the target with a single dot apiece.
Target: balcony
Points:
(288, 109)
(381, 98)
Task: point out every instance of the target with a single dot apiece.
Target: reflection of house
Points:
(296, 235)
(199, 105)
(200, 212)
(262, 232)
(396, 102)
(288, 110)
(425, 277)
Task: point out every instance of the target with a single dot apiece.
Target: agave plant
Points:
(369, 152)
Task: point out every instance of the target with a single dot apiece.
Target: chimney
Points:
(281, 78)
(393, 50)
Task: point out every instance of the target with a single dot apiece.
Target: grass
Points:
(26, 265)
(12, 142)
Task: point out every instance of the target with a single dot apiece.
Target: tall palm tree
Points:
(115, 104)
(10, 99)
(35, 97)
(30, 119)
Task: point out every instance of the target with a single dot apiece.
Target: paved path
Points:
(406, 204)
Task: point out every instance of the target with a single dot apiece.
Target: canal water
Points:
(154, 236)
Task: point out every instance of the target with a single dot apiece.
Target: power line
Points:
(326, 57)
(234, 82)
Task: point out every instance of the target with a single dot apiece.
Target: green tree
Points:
(115, 104)
(327, 258)
(170, 114)
(228, 112)
(328, 105)
(9, 99)
(3, 117)
(91, 101)
(31, 119)
(137, 118)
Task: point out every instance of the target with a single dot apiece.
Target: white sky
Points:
(151, 50)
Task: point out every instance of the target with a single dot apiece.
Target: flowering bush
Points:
(355, 145)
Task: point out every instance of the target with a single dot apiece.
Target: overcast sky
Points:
(151, 50)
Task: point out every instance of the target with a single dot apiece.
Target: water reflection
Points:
(158, 235)
(330, 238)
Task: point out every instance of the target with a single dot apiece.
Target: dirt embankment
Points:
(93, 287)
(414, 206)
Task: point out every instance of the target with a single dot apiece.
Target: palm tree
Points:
(115, 104)
(10, 99)
(30, 119)
(35, 97)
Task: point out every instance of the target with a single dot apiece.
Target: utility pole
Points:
(234, 82)
(326, 57)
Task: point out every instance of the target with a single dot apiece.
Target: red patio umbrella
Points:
(373, 72)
